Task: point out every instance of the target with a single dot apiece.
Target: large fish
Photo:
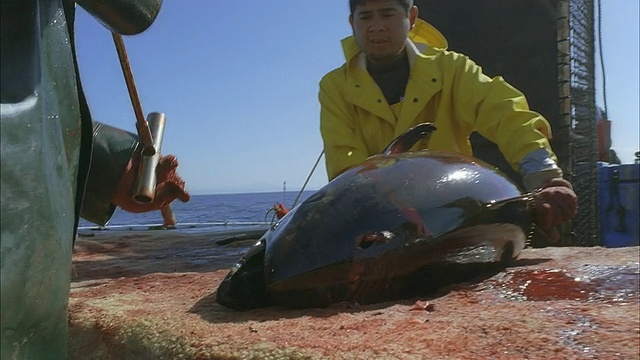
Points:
(399, 222)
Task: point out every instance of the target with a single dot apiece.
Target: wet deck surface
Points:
(151, 295)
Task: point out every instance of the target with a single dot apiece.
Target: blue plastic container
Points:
(619, 196)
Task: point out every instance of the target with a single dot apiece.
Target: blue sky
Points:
(238, 82)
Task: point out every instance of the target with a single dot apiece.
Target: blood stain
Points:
(607, 285)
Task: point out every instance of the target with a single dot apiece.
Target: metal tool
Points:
(168, 216)
(141, 125)
(145, 189)
(151, 133)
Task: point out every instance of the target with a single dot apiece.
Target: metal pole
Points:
(141, 125)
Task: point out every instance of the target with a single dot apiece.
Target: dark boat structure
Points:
(398, 224)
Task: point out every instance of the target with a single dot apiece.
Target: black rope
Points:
(604, 76)
(308, 177)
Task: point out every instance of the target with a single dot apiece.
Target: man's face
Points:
(381, 28)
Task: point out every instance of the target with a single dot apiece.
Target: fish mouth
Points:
(245, 288)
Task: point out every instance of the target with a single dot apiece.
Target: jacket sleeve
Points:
(499, 112)
(343, 145)
(112, 150)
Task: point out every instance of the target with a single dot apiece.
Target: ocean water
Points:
(206, 212)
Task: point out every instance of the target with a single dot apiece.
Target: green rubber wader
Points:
(41, 137)
(46, 150)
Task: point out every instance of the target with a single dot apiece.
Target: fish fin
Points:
(406, 140)
(518, 211)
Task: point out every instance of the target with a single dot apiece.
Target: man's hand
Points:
(556, 203)
(170, 186)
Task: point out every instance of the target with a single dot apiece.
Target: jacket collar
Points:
(363, 92)
(422, 36)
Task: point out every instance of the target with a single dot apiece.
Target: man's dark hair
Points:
(406, 4)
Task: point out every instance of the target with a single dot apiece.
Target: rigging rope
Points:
(604, 77)
(278, 209)
(308, 177)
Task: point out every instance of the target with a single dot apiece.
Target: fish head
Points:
(244, 287)
(320, 248)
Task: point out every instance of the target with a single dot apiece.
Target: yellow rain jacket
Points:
(444, 87)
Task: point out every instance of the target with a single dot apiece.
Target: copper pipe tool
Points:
(151, 133)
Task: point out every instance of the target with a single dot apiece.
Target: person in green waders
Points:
(57, 165)
(398, 73)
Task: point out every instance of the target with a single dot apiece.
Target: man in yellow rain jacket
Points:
(398, 73)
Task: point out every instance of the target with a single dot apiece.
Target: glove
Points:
(555, 204)
(169, 186)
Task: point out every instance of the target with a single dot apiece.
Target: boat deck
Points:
(151, 295)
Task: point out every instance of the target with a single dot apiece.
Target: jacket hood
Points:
(422, 33)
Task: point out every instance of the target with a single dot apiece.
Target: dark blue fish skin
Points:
(389, 218)
(397, 223)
